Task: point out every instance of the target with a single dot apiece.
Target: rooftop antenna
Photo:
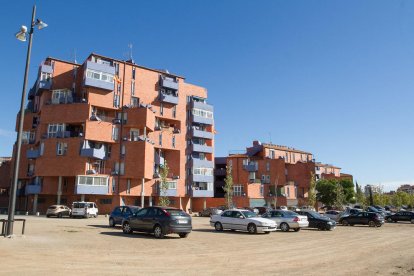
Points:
(74, 56)
(130, 52)
(270, 137)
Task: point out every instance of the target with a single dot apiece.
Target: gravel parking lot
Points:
(69, 246)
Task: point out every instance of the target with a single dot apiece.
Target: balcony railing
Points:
(91, 189)
(200, 163)
(169, 83)
(202, 120)
(220, 172)
(202, 134)
(159, 160)
(168, 98)
(201, 193)
(202, 105)
(201, 148)
(250, 167)
(202, 178)
(94, 153)
(105, 68)
(167, 192)
(33, 153)
(33, 189)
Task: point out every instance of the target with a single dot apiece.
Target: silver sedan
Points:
(287, 220)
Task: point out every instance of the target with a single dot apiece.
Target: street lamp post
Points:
(22, 37)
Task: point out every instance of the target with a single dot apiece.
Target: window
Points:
(134, 101)
(106, 77)
(237, 190)
(202, 113)
(172, 185)
(203, 171)
(174, 111)
(134, 134)
(115, 133)
(54, 129)
(113, 185)
(61, 148)
(173, 141)
(128, 189)
(61, 96)
(133, 87)
(272, 154)
(161, 109)
(261, 190)
(45, 76)
(268, 166)
(116, 65)
(252, 176)
(160, 139)
(28, 137)
(287, 157)
(92, 180)
(105, 201)
(133, 73)
(203, 186)
(116, 100)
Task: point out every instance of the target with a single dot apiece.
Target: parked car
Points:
(252, 209)
(316, 220)
(159, 220)
(119, 213)
(333, 214)
(375, 210)
(307, 208)
(365, 218)
(58, 211)
(287, 220)
(358, 207)
(263, 210)
(208, 212)
(401, 216)
(244, 220)
(281, 208)
(84, 209)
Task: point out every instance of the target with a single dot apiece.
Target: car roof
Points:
(237, 209)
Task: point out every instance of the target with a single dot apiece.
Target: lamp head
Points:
(40, 24)
(21, 35)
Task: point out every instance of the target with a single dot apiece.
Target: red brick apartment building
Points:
(5, 170)
(100, 131)
(266, 172)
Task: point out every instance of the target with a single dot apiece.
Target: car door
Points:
(126, 212)
(137, 221)
(238, 222)
(149, 220)
(225, 219)
(313, 223)
(117, 215)
(357, 219)
(277, 216)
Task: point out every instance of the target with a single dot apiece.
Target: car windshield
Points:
(176, 212)
(249, 214)
(78, 205)
(290, 213)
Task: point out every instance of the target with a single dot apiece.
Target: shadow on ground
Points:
(136, 235)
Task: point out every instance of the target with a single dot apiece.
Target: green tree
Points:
(340, 197)
(360, 196)
(228, 187)
(312, 191)
(164, 200)
(348, 189)
(326, 192)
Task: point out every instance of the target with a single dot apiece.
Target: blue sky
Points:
(331, 77)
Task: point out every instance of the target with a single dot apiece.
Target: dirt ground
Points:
(71, 246)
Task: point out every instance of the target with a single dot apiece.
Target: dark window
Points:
(105, 201)
(118, 210)
(142, 212)
(226, 214)
(236, 214)
(151, 212)
(127, 211)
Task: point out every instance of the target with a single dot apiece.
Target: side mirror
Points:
(241, 217)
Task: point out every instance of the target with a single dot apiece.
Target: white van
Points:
(84, 209)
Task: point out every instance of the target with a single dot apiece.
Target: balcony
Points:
(33, 153)
(46, 67)
(201, 148)
(250, 167)
(33, 189)
(167, 192)
(202, 178)
(169, 83)
(140, 117)
(43, 85)
(168, 98)
(201, 193)
(202, 106)
(202, 134)
(220, 172)
(199, 163)
(203, 120)
(81, 189)
(104, 68)
(94, 153)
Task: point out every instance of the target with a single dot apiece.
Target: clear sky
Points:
(331, 77)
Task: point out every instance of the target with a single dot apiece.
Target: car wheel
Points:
(59, 215)
(267, 232)
(218, 226)
(183, 235)
(251, 228)
(389, 220)
(284, 227)
(126, 228)
(297, 229)
(345, 222)
(96, 215)
(158, 232)
(371, 223)
(328, 227)
(111, 222)
(321, 227)
(199, 214)
(48, 216)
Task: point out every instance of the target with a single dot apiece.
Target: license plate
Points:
(182, 221)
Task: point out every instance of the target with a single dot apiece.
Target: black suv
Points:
(401, 216)
(160, 221)
(366, 218)
(318, 221)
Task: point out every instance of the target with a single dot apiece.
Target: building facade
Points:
(103, 130)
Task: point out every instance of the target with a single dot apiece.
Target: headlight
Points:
(329, 222)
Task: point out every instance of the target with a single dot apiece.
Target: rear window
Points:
(176, 212)
(78, 205)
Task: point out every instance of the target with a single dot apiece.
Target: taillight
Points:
(296, 219)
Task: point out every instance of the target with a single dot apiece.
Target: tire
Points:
(321, 227)
(296, 229)
(251, 228)
(60, 215)
(158, 234)
(111, 222)
(267, 232)
(389, 220)
(183, 235)
(284, 227)
(199, 214)
(345, 222)
(126, 228)
(371, 223)
(96, 215)
(48, 216)
(218, 226)
(328, 227)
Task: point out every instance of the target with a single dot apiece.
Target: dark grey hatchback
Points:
(160, 221)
